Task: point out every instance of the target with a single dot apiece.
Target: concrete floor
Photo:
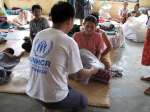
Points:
(126, 93)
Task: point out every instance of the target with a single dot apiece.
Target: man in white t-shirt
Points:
(53, 57)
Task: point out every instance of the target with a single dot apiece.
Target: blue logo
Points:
(42, 48)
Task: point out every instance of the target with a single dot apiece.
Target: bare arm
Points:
(108, 44)
(14, 56)
(21, 54)
(84, 73)
(103, 58)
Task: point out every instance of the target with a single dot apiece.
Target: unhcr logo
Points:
(42, 48)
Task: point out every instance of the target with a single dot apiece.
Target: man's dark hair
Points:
(9, 50)
(36, 7)
(91, 18)
(61, 12)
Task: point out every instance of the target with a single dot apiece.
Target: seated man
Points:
(36, 25)
(54, 56)
(91, 40)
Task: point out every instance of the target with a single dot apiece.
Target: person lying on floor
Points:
(7, 62)
(91, 40)
(10, 52)
(36, 25)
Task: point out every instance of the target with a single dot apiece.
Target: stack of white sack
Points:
(135, 28)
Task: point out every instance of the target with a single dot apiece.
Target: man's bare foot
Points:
(147, 91)
(145, 78)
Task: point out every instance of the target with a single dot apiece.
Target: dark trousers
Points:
(74, 101)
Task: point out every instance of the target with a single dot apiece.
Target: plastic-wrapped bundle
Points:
(135, 28)
(89, 60)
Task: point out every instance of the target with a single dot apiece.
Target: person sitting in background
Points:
(23, 18)
(38, 23)
(123, 13)
(83, 9)
(91, 40)
(136, 9)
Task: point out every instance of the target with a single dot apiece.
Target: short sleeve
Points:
(46, 24)
(74, 60)
(31, 30)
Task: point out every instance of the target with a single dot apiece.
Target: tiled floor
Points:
(126, 93)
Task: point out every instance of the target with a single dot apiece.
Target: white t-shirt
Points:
(54, 55)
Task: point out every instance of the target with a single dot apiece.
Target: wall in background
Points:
(117, 5)
(145, 3)
(47, 4)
